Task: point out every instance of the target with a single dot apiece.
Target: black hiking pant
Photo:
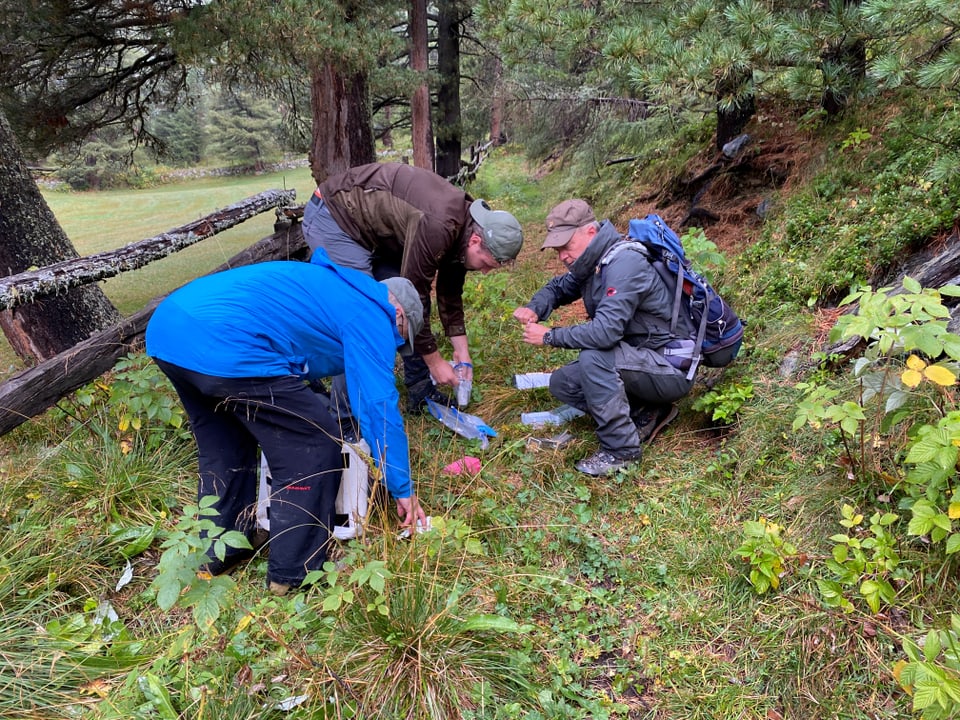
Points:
(232, 417)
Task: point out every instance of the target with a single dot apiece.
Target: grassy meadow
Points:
(706, 582)
(101, 221)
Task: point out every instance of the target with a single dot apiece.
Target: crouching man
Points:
(621, 378)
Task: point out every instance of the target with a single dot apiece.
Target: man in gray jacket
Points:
(622, 378)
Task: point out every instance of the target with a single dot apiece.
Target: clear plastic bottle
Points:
(465, 386)
(557, 416)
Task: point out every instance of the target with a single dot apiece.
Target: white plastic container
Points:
(557, 416)
(354, 494)
(352, 498)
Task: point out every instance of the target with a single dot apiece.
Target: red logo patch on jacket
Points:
(611, 291)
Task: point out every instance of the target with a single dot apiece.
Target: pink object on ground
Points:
(467, 464)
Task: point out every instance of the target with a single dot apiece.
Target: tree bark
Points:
(36, 389)
(342, 126)
(422, 127)
(844, 66)
(30, 236)
(732, 117)
(28, 287)
(497, 135)
(449, 119)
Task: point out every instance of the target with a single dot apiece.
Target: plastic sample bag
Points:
(463, 424)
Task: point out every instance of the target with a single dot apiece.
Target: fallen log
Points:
(934, 267)
(26, 287)
(38, 388)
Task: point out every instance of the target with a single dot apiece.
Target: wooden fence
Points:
(36, 389)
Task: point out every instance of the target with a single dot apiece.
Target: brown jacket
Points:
(413, 219)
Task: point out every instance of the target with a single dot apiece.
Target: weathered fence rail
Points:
(38, 388)
(26, 287)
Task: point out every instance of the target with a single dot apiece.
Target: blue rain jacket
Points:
(312, 320)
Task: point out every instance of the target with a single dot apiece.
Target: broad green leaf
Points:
(332, 602)
(931, 646)
(473, 546)
(167, 594)
(155, 692)
(925, 693)
(493, 623)
(911, 285)
(207, 607)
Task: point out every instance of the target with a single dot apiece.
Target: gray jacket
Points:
(624, 297)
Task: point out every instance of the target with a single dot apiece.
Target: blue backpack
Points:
(719, 332)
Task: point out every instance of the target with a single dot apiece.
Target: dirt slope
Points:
(728, 196)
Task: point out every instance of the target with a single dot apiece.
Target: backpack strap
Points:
(638, 246)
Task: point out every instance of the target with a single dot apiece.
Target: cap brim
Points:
(558, 238)
(407, 348)
(479, 212)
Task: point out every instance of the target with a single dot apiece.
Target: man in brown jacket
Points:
(389, 219)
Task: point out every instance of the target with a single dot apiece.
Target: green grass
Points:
(543, 595)
(102, 221)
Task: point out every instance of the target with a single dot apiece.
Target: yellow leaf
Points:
(915, 363)
(954, 510)
(898, 668)
(242, 625)
(911, 378)
(940, 375)
(100, 688)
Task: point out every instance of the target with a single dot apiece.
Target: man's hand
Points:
(410, 511)
(461, 353)
(525, 315)
(533, 333)
(440, 370)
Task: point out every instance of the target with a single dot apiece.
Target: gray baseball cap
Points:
(501, 231)
(409, 299)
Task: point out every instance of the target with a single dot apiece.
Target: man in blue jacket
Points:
(239, 347)
(621, 377)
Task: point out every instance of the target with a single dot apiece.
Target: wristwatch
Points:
(548, 338)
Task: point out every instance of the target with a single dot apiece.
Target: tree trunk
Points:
(30, 236)
(342, 126)
(844, 66)
(736, 103)
(497, 135)
(450, 124)
(422, 128)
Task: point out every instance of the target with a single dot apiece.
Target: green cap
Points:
(502, 234)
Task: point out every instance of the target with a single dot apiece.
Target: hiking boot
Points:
(651, 420)
(418, 394)
(278, 589)
(605, 463)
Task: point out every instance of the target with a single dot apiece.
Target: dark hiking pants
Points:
(230, 418)
(604, 383)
